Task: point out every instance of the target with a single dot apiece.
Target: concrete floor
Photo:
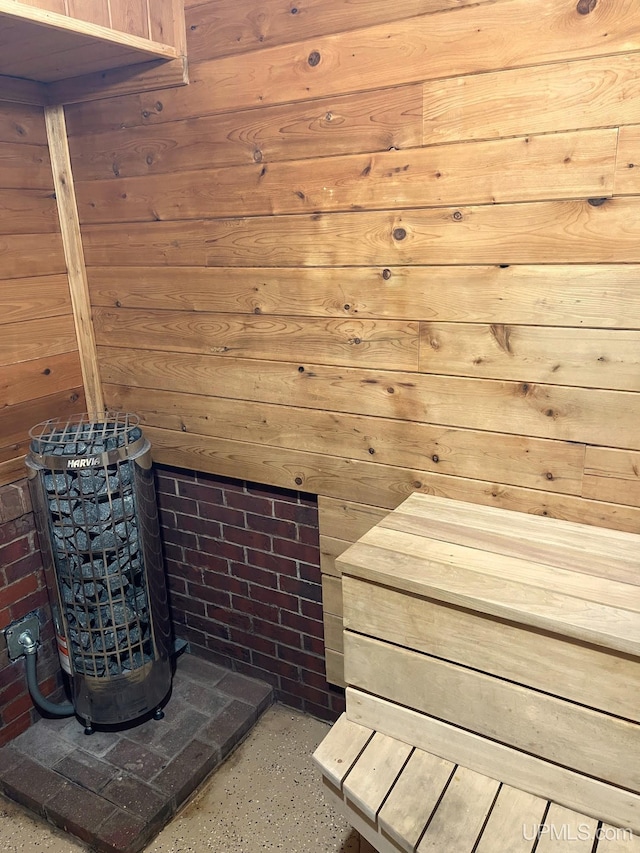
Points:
(266, 796)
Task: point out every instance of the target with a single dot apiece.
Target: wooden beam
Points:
(72, 241)
(134, 79)
(19, 91)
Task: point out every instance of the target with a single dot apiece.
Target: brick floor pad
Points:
(116, 790)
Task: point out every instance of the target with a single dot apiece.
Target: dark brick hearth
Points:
(116, 790)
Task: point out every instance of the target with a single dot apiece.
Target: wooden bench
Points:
(493, 664)
(399, 797)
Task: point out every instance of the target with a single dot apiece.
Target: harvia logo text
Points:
(86, 462)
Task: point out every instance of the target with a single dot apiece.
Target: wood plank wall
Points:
(148, 19)
(39, 366)
(375, 248)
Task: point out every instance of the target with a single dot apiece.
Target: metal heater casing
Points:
(94, 501)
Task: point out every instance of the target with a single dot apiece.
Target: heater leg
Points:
(158, 714)
(88, 728)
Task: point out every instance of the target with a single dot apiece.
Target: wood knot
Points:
(257, 156)
(314, 58)
(372, 451)
(294, 10)
(47, 371)
(586, 6)
(596, 202)
(399, 233)
(149, 159)
(301, 369)
(502, 336)
(457, 215)
(435, 457)
(298, 481)
(386, 274)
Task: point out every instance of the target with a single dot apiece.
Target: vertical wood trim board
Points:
(74, 255)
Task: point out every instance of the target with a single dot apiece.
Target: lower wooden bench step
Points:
(405, 800)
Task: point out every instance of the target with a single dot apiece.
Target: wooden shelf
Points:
(45, 47)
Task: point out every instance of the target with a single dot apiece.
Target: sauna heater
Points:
(94, 500)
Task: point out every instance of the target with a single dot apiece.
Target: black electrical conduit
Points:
(64, 709)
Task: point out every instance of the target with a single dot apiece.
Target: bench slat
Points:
(377, 768)
(567, 830)
(510, 824)
(461, 814)
(555, 542)
(414, 797)
(338, 752)
(517, 566)
(358, 821)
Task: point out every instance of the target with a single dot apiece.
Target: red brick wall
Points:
(22, 591)
(244, 575)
